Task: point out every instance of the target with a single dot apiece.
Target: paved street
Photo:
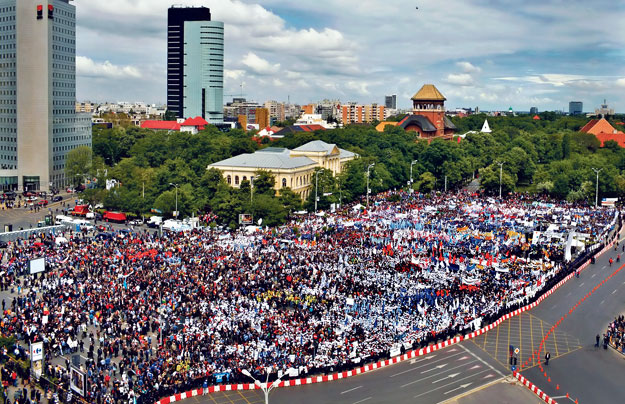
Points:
(576, 366)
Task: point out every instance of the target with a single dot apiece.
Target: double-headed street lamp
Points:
(500, 176)
(368, 175)
(176, 186)
(597, 171)
(412, 164)
(266, 387)
(316, 188)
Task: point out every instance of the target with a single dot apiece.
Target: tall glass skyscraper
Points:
(38, 122)
(195, 64)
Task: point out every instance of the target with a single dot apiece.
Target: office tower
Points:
(576, 107)
(195, 64)
(533, 110)
(38, 120)
(390, 101)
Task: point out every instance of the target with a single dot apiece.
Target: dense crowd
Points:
(323, 293)
(615, 333)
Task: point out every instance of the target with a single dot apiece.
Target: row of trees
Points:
(548, 156)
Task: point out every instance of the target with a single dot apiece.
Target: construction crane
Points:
(236, 95)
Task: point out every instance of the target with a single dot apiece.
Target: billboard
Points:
(78, 381)
(36, 359)
(37, 265)
(246, 219)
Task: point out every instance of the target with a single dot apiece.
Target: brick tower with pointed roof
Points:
(429, 103)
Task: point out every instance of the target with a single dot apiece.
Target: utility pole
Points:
(597, 171)
(176, 186)
(412, 164)
(500, 177)
(368, 175)
(445, 184)
(316, 188)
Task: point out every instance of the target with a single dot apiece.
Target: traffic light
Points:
(50, 12)
(39, 12)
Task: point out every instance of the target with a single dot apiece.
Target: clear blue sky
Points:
(488, 53)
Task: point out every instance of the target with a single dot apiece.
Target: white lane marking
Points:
(422, 366)
(355, 388)
(481, 360)
(602, 301)
(435, 368)
(615, 290)
(449, 384)
(451, 376)
(462, 386)
(593, 275)
(581, 284)
(427, 358)
(569, 294)
(553, 307)
(434, 375)
(363, 400)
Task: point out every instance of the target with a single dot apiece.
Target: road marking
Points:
(593, 275)
(532, 337)
(569, 294)
(435, 368)
(451, 376)
(553, 307)
(363, 400)
(581, 284)
(615, 290)
(462, 386)
(602, 301)
(434, 375)
(481, 360)
(449, 384)
(355, 388)
(427, 358)
(419, 367)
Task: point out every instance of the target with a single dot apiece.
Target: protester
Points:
(158, 314)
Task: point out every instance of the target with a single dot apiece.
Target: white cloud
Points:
(89, 68)
(468, 67)
(462, 79)
(259, 65)
(233, 74)
(359, 87)
(621, 82)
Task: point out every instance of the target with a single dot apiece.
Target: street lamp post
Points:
(316, 188)
(500, 177)
(265, 387)
(412, 164)
(445, 184)
(368, 175)
(597, 171)
(176, 186)
(252, 188)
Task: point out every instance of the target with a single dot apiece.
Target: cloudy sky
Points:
(487, 53)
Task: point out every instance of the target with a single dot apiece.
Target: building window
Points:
(229, 180)
(283, 182)
(244, 178)
(236, 180)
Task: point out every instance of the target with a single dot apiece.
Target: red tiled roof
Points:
(311, 128)
(589, 125)
(618, 137)
(536, 118)
(197, 121)
(160, 125)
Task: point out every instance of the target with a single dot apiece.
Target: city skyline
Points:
(478, 53)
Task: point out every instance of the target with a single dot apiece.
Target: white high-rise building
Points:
(38, 120)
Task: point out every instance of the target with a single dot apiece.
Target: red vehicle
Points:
(114, 217)
(80, 210)
(42, 202)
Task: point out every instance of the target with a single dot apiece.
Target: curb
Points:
(533, 388)
(409, 355)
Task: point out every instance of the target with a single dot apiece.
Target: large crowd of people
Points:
(155, 314)
(615, 334)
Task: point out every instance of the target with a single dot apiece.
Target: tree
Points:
(169, 115)
(490, 180)
(291, 202)
(426, 182)
(78, 164)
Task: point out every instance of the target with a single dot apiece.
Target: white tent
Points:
(485, 127)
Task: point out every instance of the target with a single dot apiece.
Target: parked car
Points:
(42, 202)
(57, 198)
(136, 222)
